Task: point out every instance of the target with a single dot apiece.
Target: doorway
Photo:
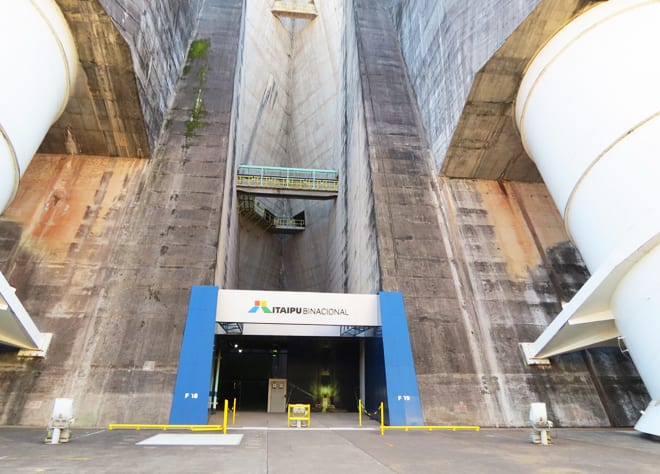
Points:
(321, 371)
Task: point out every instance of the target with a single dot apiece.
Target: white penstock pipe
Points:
(39, 62)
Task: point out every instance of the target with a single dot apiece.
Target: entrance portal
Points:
(321, 371)
(317, 341)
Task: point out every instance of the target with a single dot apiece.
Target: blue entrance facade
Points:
(389, 367)
(193, 379)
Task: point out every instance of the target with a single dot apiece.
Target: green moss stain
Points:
(198, 112)
(198, 50)
(201, 75)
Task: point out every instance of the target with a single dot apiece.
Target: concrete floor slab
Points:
(334, 450)
(187, 439)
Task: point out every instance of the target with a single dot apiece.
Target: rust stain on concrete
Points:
(513, 237)
(64, 200)
(541, 212)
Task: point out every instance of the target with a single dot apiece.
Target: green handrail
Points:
(287, 178)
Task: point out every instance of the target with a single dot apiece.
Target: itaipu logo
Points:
(260, 305)
(263, 306)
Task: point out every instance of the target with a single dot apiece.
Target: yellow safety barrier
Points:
(233, 413)
(424, 427)
(436, 427)
(148, 426)
(152, 426)
(299, 412)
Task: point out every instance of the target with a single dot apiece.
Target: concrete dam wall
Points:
(103, 251)
(296, 106)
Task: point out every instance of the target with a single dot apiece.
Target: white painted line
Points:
(90, 434)
(276, 428)
(172, 439)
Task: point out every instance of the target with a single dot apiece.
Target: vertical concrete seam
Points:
(458, 266)
(367, 109)
(227, 203)
(512, 191)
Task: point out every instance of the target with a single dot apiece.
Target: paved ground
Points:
(335, 444)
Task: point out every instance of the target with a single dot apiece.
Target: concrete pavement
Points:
(334, 444)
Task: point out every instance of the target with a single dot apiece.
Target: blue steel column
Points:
(403, 406)
(193, 379)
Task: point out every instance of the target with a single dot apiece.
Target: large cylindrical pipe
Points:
(588, 111)
(39, 63)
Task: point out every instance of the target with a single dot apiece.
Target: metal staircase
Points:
(277, 182)
(256, 211)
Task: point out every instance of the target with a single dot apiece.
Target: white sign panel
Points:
(285, 307)
(290, 330)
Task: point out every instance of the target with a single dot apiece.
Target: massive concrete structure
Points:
(130, 200)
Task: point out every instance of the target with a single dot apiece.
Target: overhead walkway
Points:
(297, 183)
(295, 10)
(371, 331)
(256, 211)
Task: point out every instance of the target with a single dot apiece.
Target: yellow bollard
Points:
(382, 419)
(233, 413)
(224, 418)
(360, 413)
